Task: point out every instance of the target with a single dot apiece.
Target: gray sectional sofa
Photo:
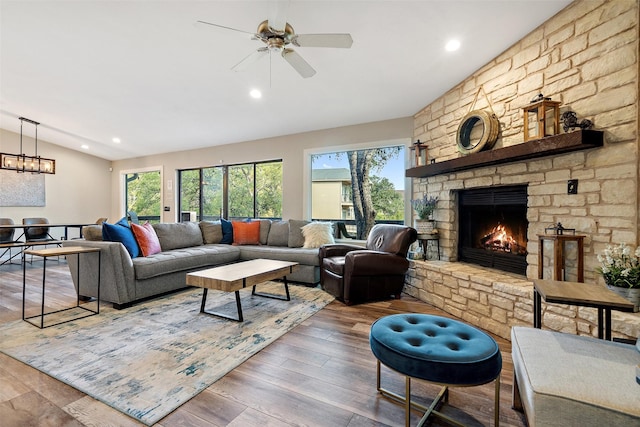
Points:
(186, 247)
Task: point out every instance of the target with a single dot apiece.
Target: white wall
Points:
(79, 191)
(289, 148)
(83, 189)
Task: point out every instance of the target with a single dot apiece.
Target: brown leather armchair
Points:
(354, 274)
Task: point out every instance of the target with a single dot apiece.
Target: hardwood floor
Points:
(322, 373)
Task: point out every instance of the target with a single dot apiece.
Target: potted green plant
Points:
(620, 268)
(424, 208)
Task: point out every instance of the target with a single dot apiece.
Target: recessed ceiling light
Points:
(84, 146)
(116, 140)
(452, 45)
(255, 94)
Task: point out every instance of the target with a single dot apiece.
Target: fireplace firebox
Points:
(493, 227)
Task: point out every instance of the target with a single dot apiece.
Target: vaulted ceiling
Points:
(145, 72)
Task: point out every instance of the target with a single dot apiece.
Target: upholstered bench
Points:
(562, 379)
(435, 349)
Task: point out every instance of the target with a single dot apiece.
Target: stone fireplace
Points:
(585, 57)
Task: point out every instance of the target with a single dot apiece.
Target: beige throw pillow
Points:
(317, 234)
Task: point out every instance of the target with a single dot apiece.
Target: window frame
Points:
(123, 186)
(225, 186)
(307, 162)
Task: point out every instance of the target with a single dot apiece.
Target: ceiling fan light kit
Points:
(278, 41)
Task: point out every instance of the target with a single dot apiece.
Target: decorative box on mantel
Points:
(557, 144)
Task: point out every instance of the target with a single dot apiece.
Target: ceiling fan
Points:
(278, 36)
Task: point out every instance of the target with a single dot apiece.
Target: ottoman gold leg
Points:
(496, 410)
(442, 396)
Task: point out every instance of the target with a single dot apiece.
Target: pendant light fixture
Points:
(22, 163)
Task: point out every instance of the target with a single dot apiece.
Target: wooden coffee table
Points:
(234, 277)
(581, 294)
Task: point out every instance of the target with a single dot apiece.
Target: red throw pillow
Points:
(246, 233)
(147, 238)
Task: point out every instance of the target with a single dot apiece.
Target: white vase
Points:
(423, 226)
(631, 294)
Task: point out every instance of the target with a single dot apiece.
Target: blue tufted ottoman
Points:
(435, 349)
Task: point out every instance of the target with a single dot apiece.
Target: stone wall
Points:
(586, 57)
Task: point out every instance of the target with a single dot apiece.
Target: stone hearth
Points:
(496, 301)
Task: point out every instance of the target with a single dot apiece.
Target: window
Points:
(251, 190)
(379, 195)
(143, 194)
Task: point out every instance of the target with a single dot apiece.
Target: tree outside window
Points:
(142, 194)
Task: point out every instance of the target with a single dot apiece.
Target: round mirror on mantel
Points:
(477, 131)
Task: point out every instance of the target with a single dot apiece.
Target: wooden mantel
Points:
(556, 144)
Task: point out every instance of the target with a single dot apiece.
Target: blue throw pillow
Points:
(227, 231)
(119, 232)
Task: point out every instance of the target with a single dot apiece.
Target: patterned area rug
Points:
(147, 360)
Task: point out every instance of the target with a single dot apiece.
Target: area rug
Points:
(147, 360)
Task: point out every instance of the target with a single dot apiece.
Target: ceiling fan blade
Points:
(250, 59)
(298, 63)
(278, 17)
(226, 28)
(323, 40)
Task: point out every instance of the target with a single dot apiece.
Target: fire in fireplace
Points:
(500, 239)
(493, 227)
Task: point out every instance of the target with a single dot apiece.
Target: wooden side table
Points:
(580, 294)
(424, 239)
(55, 252)
(559, 241)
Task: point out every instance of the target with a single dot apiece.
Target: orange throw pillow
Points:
(246, 233)
(147, 238)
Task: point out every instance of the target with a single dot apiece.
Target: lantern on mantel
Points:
(420, 155)
(541, 118)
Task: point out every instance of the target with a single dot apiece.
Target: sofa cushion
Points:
(246, 232)
(278, 234)
(211, 232)
(92, 232)
(566, 379)
(296, 239)
(147, 239)
(185, 259)
(178, 235)
(265, 226)
(317, 234)
(227, 231)
(121, 232)
(281, 253)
